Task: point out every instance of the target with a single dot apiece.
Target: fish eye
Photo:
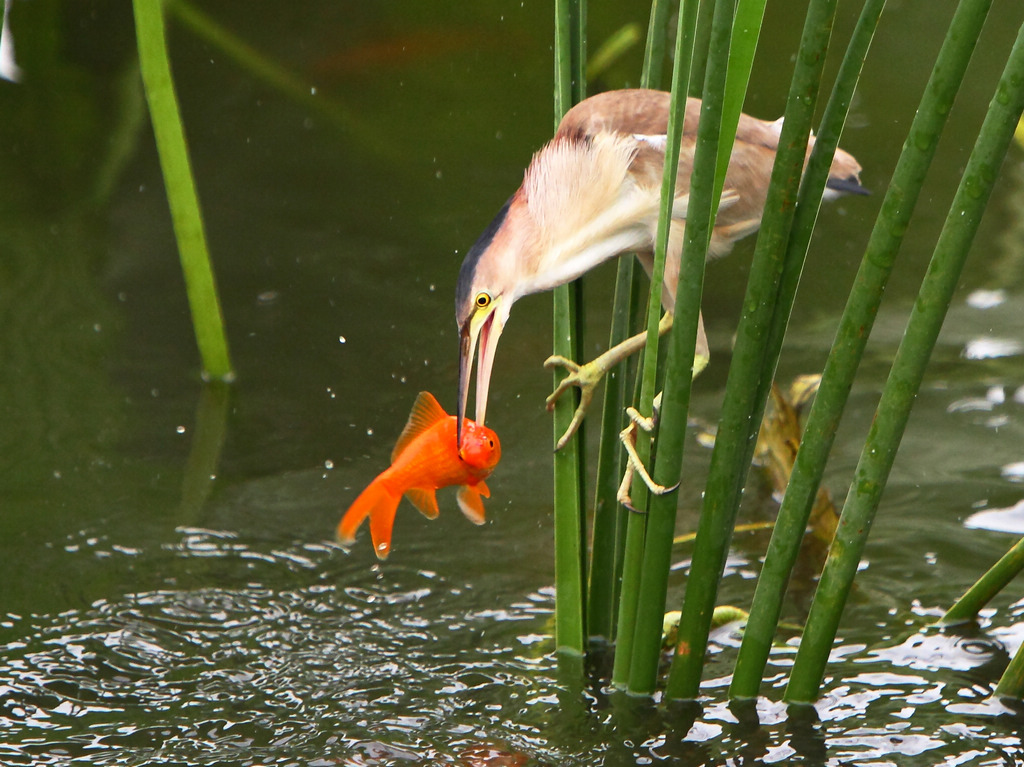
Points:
(482, 300)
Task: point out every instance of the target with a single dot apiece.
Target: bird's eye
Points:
(483, 300)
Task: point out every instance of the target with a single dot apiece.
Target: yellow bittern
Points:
(592, 193)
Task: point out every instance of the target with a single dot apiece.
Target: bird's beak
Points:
(483, 328)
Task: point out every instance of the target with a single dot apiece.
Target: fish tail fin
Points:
(380, 505)
(470, 503)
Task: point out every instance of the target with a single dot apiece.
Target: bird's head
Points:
(483, 299)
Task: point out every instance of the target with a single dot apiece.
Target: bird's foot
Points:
(586, 378)
(633, 462)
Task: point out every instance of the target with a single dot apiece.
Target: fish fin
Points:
(425, 500)
(426, 411)
(380, 505)
(481, 487)
(470, 503)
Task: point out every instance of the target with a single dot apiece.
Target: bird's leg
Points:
(589, 375)
(633, 463)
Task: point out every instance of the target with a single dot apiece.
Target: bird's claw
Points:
(633, 462)
(586, 378)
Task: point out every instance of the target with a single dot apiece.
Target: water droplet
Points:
(341, 339)
(328, 464)
(369, 432)
(180, 430)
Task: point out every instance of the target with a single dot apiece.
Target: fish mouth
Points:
(479, 333)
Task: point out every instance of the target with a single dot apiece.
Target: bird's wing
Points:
(647, 169)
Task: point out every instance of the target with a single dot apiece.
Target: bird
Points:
(593, 193)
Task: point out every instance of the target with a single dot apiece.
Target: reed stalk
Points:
(746, 29)
(636, 603)
(609, 537)
(570, 562)
(660, 525)
(905, 377)
(743, 404)
(792, 519)
(724, 90)
(654, 49)
(609, 518)
(995, 579)
(200, 284)
(1011, 683)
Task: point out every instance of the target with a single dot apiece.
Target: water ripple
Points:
(414, 669)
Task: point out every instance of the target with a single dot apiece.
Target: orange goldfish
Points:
(425, 458)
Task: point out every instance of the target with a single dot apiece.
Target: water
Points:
(171, 593)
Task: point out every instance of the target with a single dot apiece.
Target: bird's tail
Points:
(379, 504)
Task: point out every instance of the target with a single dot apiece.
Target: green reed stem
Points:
(792, 520)
(743, 406)
(905, 377)
(1011, 683)
(570, 562)
(633, 596)
(609, 517)
(991, 583)
(654, 50)
(746, 30)
(726, 81)
(200, 284)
